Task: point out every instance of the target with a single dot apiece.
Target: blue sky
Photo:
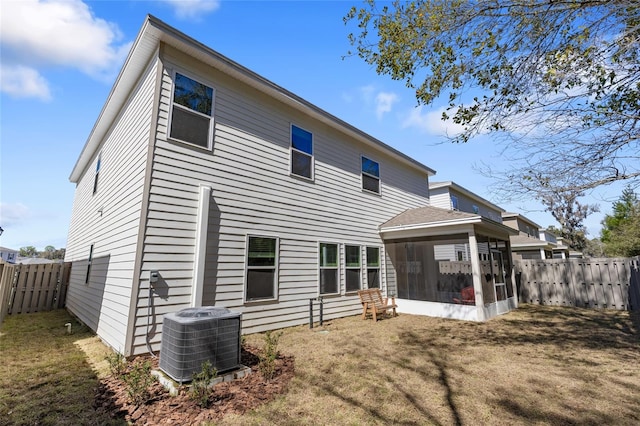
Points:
(59, 60)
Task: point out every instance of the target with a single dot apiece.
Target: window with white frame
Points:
(370, 175)
(454, 202)
(352, 268)
(95, 179)
(329, 282)
(373, 267)
(301, 152)
(262, 268)
(191, 111)
(475, 209)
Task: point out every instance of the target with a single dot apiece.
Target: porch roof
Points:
(437, 220)
(521, 242)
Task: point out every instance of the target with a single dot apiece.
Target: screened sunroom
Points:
(449, 264)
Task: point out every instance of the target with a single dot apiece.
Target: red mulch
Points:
(238, 396)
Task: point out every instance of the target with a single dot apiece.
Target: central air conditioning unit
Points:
(195, 335)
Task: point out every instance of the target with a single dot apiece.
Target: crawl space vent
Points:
(195, 335)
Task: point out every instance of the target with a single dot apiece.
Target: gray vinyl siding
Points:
(109, 219)
(254, 194)
(441, 197)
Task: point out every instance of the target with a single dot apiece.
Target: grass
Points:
(536, 365)
(47, 376)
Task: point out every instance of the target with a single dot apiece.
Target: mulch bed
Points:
(238, 396)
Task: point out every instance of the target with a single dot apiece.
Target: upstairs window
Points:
(475, 209)
(352, 270)
(262, 261)
(454, 202)
(301, 152)
(328, 268)
(373, 267)
(370, 175)
(95, 179)
(191, 114)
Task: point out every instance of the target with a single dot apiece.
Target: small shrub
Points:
(200, 385)
(138, 380)
(117, 364)
(267, 364)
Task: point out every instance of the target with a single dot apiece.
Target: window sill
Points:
(366, 191)
(190, 144)
(302, 178)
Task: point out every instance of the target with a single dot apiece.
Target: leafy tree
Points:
(621, 230)
(558, 80)
(594, 248)
(49, 252)
(570, 214)
(28, 251)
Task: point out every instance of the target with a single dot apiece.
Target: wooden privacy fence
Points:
(591, 283)
(32, 288)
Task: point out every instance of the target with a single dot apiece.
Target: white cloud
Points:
(384, 103)
(192, 9)
(23, 82)
(12, 215)
(431, 122)
(41, 33)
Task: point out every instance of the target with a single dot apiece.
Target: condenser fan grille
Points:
(195, 335)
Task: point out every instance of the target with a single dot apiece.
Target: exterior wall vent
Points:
(195, 335)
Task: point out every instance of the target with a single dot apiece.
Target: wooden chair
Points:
(373, 302)
(467, 296)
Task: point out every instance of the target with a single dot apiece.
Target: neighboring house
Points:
(8, 255)
(564, 251)
(204, 184)
(528, 244)
(451, 196)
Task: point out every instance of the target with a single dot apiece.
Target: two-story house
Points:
(205, 184)
(528, 244)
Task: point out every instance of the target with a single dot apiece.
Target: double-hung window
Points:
(262, 268)
(352, 268)
(328, 268)
(373, 267)
(192, 112)
(454, 202)
(301, 152)
(370, 175)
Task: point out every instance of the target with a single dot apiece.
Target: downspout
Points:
(202, 227)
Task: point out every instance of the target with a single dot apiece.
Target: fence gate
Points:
(32, 288)
(607, 283)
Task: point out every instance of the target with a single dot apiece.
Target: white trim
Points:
(337, 268)
(172, 70)
(246, 268)
(202, 227)
(363, 173)
(366, 268)
(291, 149)
(359, 268)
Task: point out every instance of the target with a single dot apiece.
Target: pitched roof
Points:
(452, 185)
(521, 241)
(427, 214)
(152, 34)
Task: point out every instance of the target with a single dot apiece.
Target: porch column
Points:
(202, 226)
(477, 274)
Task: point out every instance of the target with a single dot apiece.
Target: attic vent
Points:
(195, 335)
